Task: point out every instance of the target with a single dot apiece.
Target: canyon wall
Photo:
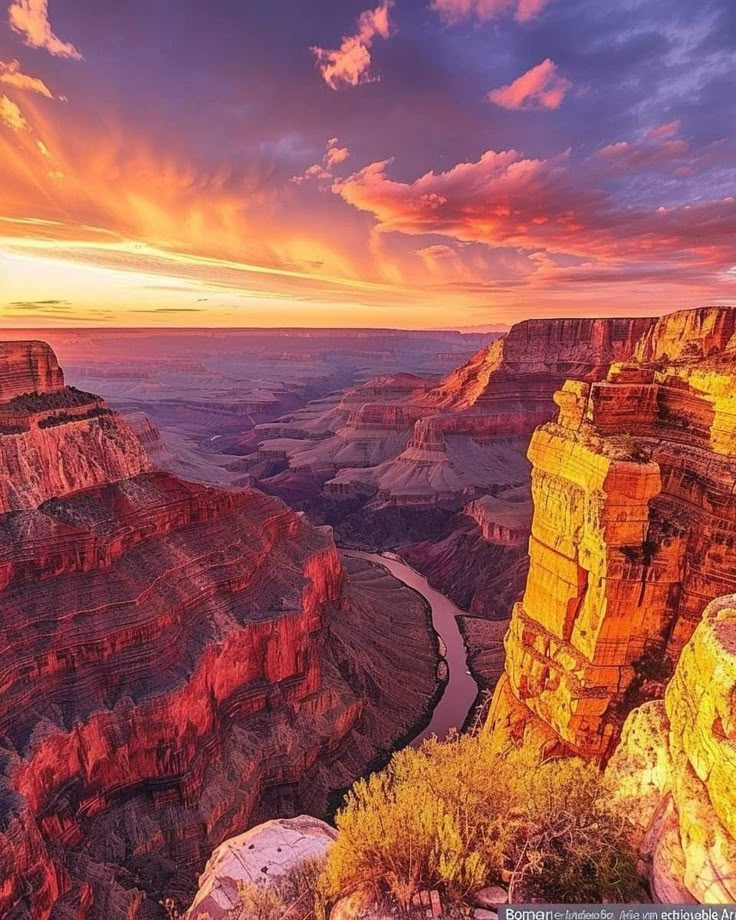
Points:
(632, 534)
(175, 660)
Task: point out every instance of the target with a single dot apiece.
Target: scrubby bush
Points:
(458, 815)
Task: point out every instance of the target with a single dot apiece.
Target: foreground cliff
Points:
(634, 514)
(675, 769)
(176, 660)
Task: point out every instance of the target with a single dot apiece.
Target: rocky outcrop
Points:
(28, 367)
(674, 772)
(633, 532)
(176, 660)
(261, 856)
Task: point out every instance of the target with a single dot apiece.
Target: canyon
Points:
(621, 647)
(189, 655)
(439, 471)
(178, 660)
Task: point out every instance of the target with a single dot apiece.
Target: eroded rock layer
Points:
(633, 533)
(674, 771)
(172, 654)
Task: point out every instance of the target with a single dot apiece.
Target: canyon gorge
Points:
(621, 647)
(198, 637)
(178, 660)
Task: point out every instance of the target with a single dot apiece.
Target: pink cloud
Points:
(453, 11)
(334, 156)
(12, 75)
(546, 206)
(30, 18)
(350, 64)
(656, 148)
(665, 130)
(541, 87)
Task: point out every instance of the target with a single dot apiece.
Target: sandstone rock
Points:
(674, 771)
(634, 512)
(490, 897)
(173, 655)
(260, 856)
(28, 367)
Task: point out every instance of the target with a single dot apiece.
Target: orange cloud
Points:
(30, 18)
(350, 64)
(11, 115)
(541, 87)
(453, 11)
(12, 75)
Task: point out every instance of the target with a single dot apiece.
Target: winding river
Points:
(460, 690)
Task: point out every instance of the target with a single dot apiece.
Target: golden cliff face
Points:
(633, 533)
(675, 769)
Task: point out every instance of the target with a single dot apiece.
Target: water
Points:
(460, 690)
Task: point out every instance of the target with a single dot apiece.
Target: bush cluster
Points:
(458, 815)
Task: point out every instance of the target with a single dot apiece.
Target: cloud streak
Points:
(12, 75)
(30, 19)
(540, 87)
(350, 64)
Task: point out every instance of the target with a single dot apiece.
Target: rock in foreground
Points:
(675, 769)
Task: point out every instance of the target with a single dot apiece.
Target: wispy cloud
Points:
(12, 75)
(350, 64)
(34, 305)
(540, 87)
(30, 18)
(334, 155)
(11, 115)
(453, 11)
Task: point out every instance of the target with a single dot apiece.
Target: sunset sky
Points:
(415, 163)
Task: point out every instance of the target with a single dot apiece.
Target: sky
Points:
(405, 163)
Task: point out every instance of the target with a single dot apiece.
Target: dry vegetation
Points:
(458, 815)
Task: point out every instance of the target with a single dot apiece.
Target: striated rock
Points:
(176, 660)
(674, 771)
(261, 856)
(28, 367)
(633, 531)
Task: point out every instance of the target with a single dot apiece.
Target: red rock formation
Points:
(164, 662)
(633, 533)
(28, 367)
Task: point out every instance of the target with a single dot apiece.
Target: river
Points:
(461, 689)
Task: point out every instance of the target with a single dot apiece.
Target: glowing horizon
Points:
(406, 163)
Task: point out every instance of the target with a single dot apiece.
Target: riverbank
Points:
(461, 689)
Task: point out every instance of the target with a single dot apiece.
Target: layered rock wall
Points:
(633, 533)
(28, 367)
(171, 657)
